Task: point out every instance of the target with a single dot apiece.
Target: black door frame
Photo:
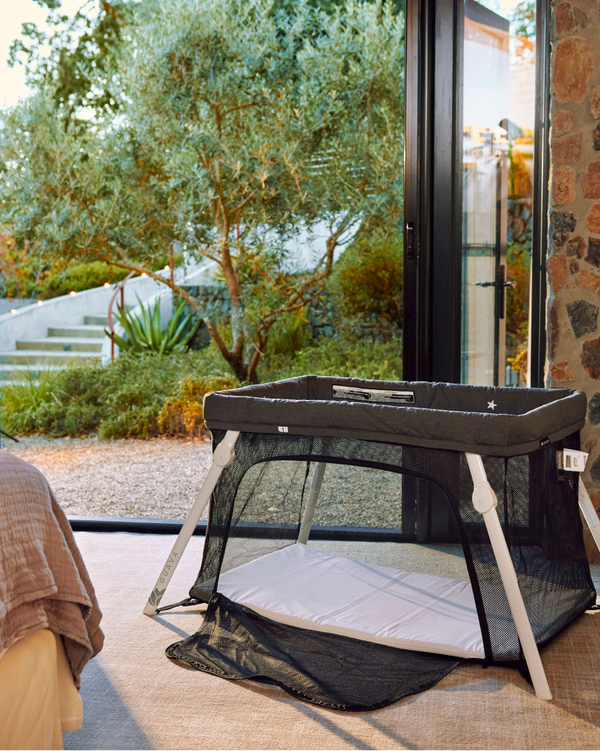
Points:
(433, 192)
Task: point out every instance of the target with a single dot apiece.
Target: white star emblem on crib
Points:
(492, 405)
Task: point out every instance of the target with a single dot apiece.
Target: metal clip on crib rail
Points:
(222, 456)
(485, 501)
(569, 460)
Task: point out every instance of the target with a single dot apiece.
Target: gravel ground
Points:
(157, 478)
(160, 478)
(349, 496)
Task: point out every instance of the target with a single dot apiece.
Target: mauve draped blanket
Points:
(43, 580)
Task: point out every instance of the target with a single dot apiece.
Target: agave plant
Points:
(145, 334)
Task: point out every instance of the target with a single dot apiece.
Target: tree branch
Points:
(235, 109)
(125, 263)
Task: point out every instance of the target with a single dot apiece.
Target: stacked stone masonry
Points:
(574, 242)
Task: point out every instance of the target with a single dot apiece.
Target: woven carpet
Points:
(135, 698)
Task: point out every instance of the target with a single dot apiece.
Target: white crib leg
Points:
(223, 455)
(309, 512)
(485, 501)
(589, 512)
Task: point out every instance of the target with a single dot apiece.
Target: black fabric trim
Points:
(445, 416)
(328, 670)
(486, 449)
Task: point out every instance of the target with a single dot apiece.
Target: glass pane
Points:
(498, 128)
(282, 125)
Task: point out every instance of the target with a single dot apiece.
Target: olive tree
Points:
(242, 125)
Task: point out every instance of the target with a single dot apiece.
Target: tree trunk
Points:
(239, 368)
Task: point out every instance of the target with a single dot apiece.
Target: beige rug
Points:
(135, 698)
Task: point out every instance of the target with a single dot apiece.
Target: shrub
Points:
(148, 396)
(340, 357)
(367, 278)
(20, 269)
(123, 399)
(24, 403)
(140, 387)
(289, 334)
(183, 414)
(80, 277)
(146, 334)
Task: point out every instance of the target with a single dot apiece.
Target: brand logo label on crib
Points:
(373, 395)
(283, 429)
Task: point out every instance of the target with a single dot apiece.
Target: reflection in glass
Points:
(498, 126)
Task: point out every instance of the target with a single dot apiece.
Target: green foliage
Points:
(367, 279)
(241, 125)
(517, 307)
(22, 403)
(146, 334)
(78, 278)
(183, 414)
(142, 397)
(20, 270)
(123, 399)
(522, 19)
(517, 302)
(78, 60)
(341, 356)
(289, 334)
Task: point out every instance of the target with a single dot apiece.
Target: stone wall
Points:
(574, 243)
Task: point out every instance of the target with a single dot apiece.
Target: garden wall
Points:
(574, 242)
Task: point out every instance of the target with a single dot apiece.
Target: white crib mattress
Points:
(302, 587)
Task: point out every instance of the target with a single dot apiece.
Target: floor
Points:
(135, 698)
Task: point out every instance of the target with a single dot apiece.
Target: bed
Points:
(49, 615)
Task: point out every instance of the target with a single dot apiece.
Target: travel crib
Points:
(368, 466)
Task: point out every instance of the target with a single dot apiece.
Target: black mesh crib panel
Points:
(539, 512)
(265, 494)
(260, 503)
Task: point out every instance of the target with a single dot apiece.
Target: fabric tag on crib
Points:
(373, 395)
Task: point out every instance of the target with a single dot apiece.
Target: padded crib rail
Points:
(484, 420)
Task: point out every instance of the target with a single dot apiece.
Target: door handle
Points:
(493, 284)
(410, 241)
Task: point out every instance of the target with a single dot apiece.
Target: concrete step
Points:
(17, 373)
(95, 320)
(78, 332)
(62, 344)
(48, 357)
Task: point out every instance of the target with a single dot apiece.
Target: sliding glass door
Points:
(475, 192)
(499, 88)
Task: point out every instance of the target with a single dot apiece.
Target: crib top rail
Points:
(485, 420)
